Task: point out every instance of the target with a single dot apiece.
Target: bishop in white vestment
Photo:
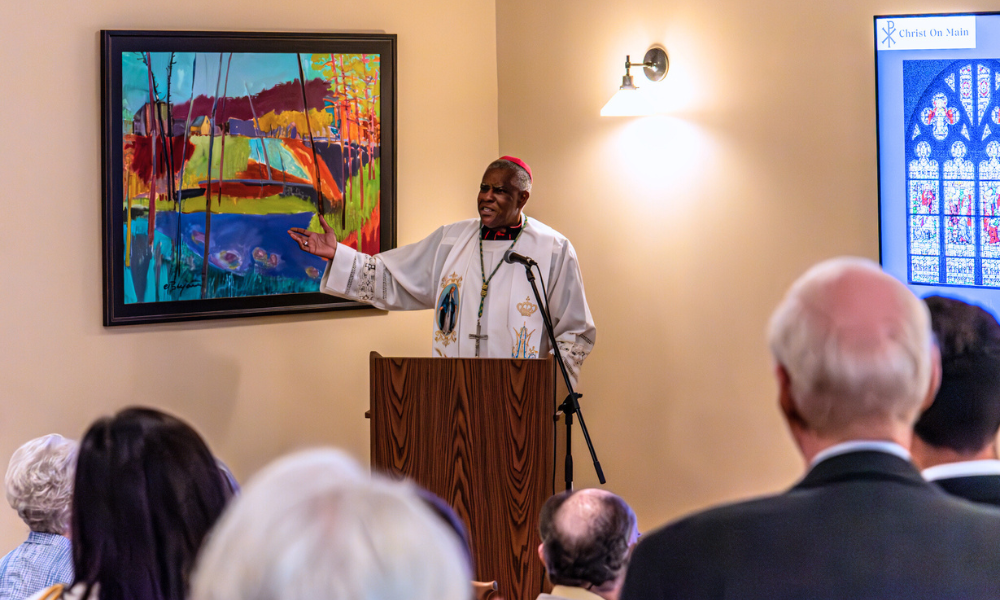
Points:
(483, 306)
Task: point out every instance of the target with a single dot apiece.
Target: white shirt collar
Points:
(859, 446)
(968, 468)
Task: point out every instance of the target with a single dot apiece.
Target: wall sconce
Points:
(628, 102)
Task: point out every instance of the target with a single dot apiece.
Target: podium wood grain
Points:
(478, 433)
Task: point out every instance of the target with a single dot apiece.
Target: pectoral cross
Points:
(476, 336)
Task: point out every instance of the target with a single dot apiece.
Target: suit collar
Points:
(968, 468)
(857, 445)
(977, 488)
(862, 465)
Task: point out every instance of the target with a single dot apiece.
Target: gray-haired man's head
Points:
(587, 536)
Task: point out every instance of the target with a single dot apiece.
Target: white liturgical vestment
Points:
(443, 272)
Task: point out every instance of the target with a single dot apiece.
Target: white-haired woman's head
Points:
(39, 483)
(856, 345)
(313, 525)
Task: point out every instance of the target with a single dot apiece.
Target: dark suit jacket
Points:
(977, 488)
(859, 525)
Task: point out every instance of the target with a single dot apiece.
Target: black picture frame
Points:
(120, 258)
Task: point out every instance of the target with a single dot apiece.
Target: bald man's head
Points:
(586, 536)
(856, 345)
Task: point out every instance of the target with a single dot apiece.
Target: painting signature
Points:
(173, 286)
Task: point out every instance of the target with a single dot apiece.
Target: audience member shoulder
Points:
(76, 592)
(695, 527)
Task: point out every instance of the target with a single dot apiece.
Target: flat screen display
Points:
(938, 86)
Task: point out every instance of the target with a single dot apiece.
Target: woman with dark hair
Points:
(147, 492)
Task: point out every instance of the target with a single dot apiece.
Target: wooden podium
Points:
(478, 432)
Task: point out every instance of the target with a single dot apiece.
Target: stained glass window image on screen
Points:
(938, 91)
(952, 171)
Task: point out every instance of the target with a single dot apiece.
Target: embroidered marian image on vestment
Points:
(522, 342)
(522, 337)
(447, 309)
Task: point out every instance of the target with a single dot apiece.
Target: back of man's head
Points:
(586, 536)
(856, 346)
(965, 414)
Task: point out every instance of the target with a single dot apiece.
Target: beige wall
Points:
(254, 387)
(690, 227)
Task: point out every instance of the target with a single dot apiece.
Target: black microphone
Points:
(510, 257)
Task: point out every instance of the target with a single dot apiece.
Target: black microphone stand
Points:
(571, 405)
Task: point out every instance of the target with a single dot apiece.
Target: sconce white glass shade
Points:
(629, 103)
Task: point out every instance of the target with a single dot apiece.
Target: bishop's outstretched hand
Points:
(323, 244)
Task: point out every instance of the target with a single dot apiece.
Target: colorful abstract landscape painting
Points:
(222, 152)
